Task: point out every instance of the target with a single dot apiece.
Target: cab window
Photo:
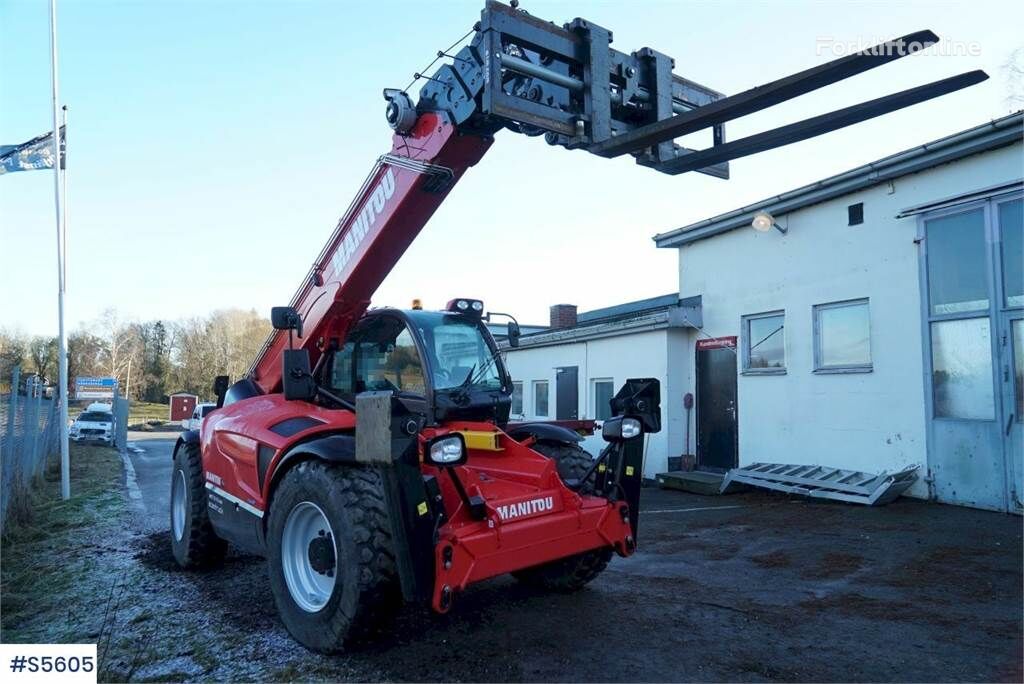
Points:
(378, 356)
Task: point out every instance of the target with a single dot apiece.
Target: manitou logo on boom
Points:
(363, 222)
(525, 508)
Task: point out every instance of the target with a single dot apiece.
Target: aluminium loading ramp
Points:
(851, 486)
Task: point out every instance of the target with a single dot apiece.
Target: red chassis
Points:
(531, 516)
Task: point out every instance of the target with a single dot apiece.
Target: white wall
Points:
(637, 355)
(870, 421)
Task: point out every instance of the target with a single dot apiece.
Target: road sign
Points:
(95, 388)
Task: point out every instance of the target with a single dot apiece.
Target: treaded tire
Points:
(574, 572)
(198, 546)
(566, 575)
(366, 593)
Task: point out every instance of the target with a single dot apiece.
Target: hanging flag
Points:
(37, 153)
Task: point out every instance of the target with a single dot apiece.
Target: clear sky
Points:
(213, 146)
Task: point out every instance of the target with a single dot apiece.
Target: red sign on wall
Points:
(717, 343)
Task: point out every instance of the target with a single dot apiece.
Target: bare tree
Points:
(42, 351)
(13, 346)
(1013, 73)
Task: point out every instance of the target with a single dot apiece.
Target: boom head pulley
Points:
(566, 82)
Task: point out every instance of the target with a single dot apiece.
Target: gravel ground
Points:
(757, 587)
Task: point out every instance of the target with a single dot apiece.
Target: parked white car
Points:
(95, 424)
(198, 413)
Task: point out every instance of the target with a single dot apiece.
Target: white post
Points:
(62, 356)
(128, 384)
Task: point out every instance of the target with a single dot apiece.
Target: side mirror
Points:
(513, 334)
(220, 388)
(620, 428)
(286, 318)
(296, 379)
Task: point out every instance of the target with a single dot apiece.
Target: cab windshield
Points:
(460, 354)
(381, 354)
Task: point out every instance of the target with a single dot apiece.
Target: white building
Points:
(873, 327)
(571, 370)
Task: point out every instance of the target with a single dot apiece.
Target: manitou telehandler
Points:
(368, 454)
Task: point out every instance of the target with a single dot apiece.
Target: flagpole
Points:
(62, 358)
(64, 192)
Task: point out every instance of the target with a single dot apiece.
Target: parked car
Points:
(198, 413)
(95, 424)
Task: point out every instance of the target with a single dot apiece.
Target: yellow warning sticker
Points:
(422, 508)
(629, 471)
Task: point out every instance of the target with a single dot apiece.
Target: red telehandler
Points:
(367, 453)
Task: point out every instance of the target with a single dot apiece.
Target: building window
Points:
(1011, 223)
(604, 390)
(962, 369)
(764, 343)
(842, 337)
(957, 269)
(855, 214)
(517, 398)
(540, 398)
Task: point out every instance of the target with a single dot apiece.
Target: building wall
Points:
(869, 421)
(635, 355)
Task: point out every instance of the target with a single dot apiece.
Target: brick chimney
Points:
(563, 315)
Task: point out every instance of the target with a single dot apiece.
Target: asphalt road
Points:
(749, 587)
(151, 457)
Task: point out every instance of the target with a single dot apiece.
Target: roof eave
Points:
(992, 135)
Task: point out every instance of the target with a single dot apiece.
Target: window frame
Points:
(819, 367)
(924, 278)
(533, 398)
(522, 399)
(593, 394)
(745, 320)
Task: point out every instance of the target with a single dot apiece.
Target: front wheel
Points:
(331, 557)
(193, 540)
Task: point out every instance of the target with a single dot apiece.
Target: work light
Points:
(447, 450)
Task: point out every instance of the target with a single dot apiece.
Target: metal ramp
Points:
(822, 482)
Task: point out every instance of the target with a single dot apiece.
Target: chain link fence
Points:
(29, 437)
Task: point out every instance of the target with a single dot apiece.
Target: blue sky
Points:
(214, 144)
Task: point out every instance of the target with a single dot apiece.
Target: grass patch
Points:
(31, 583)
(143, 412)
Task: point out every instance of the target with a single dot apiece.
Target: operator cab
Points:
(444, 365)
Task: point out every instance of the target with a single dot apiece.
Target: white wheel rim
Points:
(179, 504)
(309, 587)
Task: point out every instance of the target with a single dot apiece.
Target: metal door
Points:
(1012, 372)
(716, 404)
(1008, 214)
(567, 393)
(971, 275)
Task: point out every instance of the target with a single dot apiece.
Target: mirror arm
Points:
(335, 398)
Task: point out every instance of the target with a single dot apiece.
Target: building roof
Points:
(994, 134)
(628, 309)
(644, 315)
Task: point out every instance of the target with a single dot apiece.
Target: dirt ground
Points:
(749, 587)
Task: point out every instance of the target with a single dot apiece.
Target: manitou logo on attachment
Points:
(362, 223)
(526, 508)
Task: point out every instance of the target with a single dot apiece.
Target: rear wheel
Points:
(193, 540)
(574, 572)
(331, 556)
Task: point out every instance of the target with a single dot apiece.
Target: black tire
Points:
(198, 546)
(574, 572)
(571, 460)
(366, 593)
(566, 575)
